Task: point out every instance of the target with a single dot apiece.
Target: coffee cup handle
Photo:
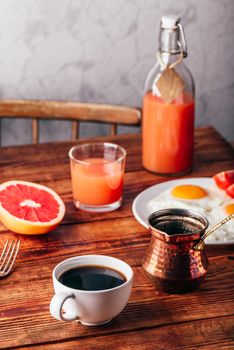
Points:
(56, 306)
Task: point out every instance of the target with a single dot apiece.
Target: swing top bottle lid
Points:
(170, 21)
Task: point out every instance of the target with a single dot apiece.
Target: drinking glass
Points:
(97, 171)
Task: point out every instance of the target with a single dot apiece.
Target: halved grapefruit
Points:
(29, 208)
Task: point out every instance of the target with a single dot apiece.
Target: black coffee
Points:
(92, 277)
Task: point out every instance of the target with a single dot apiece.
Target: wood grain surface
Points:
(202, 319)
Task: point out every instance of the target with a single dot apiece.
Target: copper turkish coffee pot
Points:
(175, 260)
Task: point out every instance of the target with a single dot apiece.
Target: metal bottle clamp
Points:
(182, 41)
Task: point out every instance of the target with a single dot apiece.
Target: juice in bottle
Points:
(168, 134)
(168, 126)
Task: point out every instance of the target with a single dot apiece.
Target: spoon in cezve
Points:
(211, 230)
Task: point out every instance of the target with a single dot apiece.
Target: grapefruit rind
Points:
(27, 227)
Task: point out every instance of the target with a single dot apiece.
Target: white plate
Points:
(141, 210)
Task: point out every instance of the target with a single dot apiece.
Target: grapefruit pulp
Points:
(29, 208)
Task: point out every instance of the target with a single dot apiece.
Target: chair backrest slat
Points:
(73, 111)
(35, 130)
(113, 129)
(75, 130)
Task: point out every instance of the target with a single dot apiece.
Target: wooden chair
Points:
(76, 112)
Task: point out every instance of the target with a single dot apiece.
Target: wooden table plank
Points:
(131, 189)
(202, 319)
(201, 334)
(209, 147)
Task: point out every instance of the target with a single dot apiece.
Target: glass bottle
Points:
(168, 125)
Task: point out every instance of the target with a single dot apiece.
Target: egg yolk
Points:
(229, 208)
(189, 192)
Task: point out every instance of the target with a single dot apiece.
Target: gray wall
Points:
(101, 50)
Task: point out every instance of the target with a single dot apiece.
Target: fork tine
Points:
(6, 253)
(12, 257)
(4, 249)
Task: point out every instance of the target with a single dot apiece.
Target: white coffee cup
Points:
(91, 308)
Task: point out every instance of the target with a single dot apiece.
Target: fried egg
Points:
(210, 201)
(226, 232)
(187, 196)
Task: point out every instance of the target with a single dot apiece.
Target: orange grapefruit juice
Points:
(168, 134)
(96, 181)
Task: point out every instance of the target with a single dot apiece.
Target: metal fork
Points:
(8, 257)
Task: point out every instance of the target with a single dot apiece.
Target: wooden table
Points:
(203, 319)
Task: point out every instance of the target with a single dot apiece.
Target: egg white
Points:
(205, 204)
(226, 232)
(158, 204)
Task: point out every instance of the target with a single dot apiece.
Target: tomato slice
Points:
(230, 190)
(224, 179)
